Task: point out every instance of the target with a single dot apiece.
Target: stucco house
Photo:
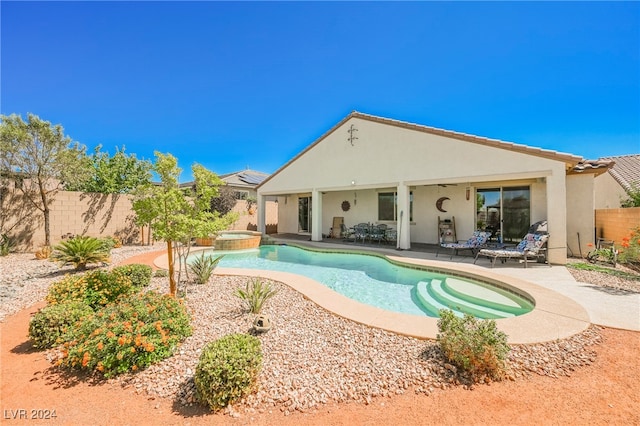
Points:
(614, 186)
(410, 177)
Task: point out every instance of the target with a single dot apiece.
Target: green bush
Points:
(95, 288)
(81, 251)
(161, 273)
(475, 346)
(255, 294)
(6, 245)
(630, 253)
(50, 323)
(228, 369)
(203, 266)
(72, 288)
(128, 335)
(139, 274)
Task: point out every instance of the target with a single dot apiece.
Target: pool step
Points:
(438, 290)
(495, 297)
(434, 297)
(431, 304)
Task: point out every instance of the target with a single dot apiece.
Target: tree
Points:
(634, 197)
(225, 201)
(178, 215)
(40, 159)
(119, 174)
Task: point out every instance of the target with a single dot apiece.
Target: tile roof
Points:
(626, 170)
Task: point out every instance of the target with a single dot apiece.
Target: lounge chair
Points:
(532, 247)
(477, 241)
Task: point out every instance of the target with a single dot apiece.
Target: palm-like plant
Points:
(81, 251)
(203, 266)
(255, 294)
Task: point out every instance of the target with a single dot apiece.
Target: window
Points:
(388, 206)
(241, 195)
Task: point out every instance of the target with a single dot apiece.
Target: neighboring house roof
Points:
(249, 178)
(626, 170)
(574, 163)
(245, 178)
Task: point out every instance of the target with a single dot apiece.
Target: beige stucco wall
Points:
(580, 213)
(608, 192)
(388, 157)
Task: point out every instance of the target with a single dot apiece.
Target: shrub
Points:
(203, 266)
(71, 288)
(50, 323)
(81, 251)
(128, 335)
(475, 346)
(255, 294)
(43, 253)
(6, 245)
(228, 369)
(95, 288)
(630, 252)
(139, 274)
(161, 273)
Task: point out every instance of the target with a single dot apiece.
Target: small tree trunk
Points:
(172, 281)
(45, 210)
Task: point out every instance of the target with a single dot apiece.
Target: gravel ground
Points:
(311, 357)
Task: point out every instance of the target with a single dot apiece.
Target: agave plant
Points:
(81, 251)
(255, 294)
(203, 266)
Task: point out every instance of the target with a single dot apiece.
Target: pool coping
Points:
(554, 317)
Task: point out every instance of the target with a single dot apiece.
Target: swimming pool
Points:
(375, 281)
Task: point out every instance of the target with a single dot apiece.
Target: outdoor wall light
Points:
(353, 182)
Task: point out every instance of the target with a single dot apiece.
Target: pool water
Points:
(375, 281)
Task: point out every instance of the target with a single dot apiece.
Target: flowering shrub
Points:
(50, 323)
(228, 369)
(630, 252)
(95, 288)
(139, 274)
(126, 336)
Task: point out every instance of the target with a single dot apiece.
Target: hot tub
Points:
(233, 240)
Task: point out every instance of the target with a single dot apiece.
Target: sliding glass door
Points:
(304, 214)
(505, 211)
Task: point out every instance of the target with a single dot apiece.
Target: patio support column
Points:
(557, 217)
(316, 215)
(262, 213)
(404, 228)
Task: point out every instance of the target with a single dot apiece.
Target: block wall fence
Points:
(92, 214)
(615, 224)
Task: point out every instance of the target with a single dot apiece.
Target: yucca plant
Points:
(203, 266)
(255, 294)
(80, 251)
(6, 245)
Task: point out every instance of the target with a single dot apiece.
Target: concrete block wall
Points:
(96, 215)
(615, 224)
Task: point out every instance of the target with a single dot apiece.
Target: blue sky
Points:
(237, 84)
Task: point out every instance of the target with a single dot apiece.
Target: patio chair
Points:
(477, 241)
(346, 233)
(378, 233)
(361, 232)
(532, 247)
